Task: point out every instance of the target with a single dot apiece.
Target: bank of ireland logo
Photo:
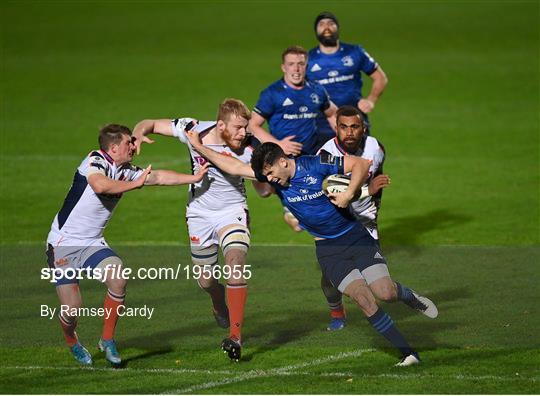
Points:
(315, 98)
(304, 190)
(333, 73)
(347, 61)
(303, 109)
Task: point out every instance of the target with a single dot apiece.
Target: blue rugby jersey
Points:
(340, 74)
(306, 201)
(290, 111)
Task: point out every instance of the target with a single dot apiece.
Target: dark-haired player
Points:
(348, 255)
(338, 67)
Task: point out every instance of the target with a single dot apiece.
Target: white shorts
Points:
(203, 226)
(64, 253)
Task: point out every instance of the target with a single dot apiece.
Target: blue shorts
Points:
(342, 259)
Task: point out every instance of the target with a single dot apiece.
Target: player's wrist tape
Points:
(364, 192)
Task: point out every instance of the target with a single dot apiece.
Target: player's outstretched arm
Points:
(287, 144)
(147, 127)
(102, 184)
(172, 178)
(227, 164)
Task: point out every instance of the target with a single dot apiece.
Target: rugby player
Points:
(351, 139)
(290, 106)
(348, 255)
(217, 212)
(338, 67)
(76, 241)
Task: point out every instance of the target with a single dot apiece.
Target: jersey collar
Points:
(341, 149)
(107, 157)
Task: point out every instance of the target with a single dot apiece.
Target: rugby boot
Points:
(81, 354)
(232, 347)
(111, 353)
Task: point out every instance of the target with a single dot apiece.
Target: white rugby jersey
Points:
(85, 214)
(365, 209)
(218, 190)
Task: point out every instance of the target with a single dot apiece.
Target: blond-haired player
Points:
(217, 213)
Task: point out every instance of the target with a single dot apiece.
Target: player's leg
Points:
(335, 303)
(206, 257)
(342, 259)
(67, 289)
(106, 263)
(70, 302)
(234, 240)
(384, 288)
(358, 290)
(202, 228)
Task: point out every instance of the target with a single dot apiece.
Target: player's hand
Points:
(194, 138)
(290, 147)
(341, 200)
(377, 183)
(366, 105)
(139, 182)
(140, 139)
(203, 170)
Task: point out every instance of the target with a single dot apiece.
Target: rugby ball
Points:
(335, 184)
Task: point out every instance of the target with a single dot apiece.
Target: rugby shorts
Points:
(353, 255)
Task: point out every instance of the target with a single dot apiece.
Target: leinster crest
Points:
(347, 61)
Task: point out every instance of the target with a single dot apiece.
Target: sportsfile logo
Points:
(73, 275)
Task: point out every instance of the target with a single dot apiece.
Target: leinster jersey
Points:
(217, 191)
(85, 214)
(340, 72)
(306, 201)
(365, 209)
(290, 111)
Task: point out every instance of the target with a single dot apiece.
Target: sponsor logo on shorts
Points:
(61, 261)
(194, 239)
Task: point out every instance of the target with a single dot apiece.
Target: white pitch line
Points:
(133, 370)
(285, 370)
(276, 373)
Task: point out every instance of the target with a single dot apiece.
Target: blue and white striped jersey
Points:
(84, 214)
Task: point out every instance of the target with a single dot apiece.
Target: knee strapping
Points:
(204, 256)
(237, 237)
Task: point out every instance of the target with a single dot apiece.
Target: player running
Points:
(348, 255)
(75, 241)
(217, 212)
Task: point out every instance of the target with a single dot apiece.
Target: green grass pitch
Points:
(460, 222)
